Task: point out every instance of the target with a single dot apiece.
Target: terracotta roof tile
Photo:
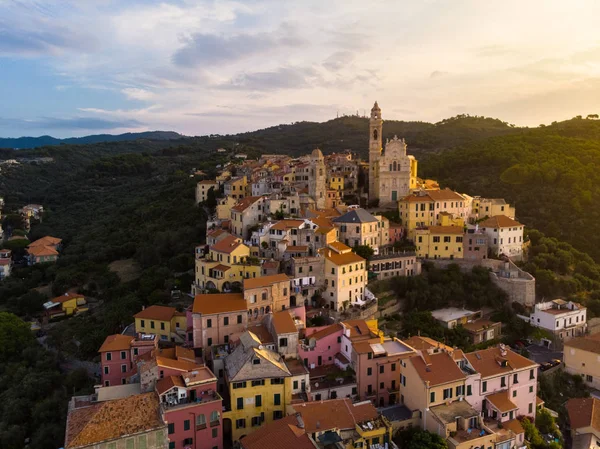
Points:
(334, 413)
(425, 343)
(41, 251)
(344, 259)
(281, 434)
(440, 368)
(66, 297)
(221, 267)
(584, 412)
(165, 384)
(479, 325)
(444, 195)
(585, 344)
(284, 323)
(499, 221)
(486, 361)
(284, 225)
(113, 419)
(46, 241)
(501, 401)
(227, 245)
(245, 203)
(265, 281)
(446, 230)
(219, 303)
(514, 425)
(158, 313)
(116, 342)
(337, 327)
(358, 329)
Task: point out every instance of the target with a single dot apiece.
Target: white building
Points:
(505, 236)
(561, 318)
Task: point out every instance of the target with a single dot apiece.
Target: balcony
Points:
(393, 389)
(170, 402)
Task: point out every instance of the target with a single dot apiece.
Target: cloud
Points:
(338, 60)
(211, 49)
(281, 78)
(78, 123)
(437, 74)
(134, 93)
(41, 39)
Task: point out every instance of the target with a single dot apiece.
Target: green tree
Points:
(15, 335)
(364, 251)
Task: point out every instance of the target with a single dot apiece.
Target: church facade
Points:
(392, 173)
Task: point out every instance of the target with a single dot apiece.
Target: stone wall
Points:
(518, 284)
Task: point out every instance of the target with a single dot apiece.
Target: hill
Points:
(549, 173)
(36, 142)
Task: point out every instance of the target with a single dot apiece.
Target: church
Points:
(392, 173)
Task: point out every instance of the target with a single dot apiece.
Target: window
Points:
(393, 367)
(123, 368)
(589, 378)
(152, 324)
(135, 351)
(432, 396)
(240, 423)
(484, 386)
(295, 385)
(258, 400)
(447, 239)
(171, 428)
(381, 369)
(339, 339)
(129, 443)
(277, 381)
(209, 323)
(277, 399)
(200, 421)
(171, 445)
(209, 342)
(162, 326)
(186, 424)
(256, 383)
(459, 390)
(239, 319)
(106, 370)
(531, 388)
(142, 442)
(142, 323)
(240, 403)
(370, 356)
(255, 421)
(237, 385)
(123, 355)
(108, 356)
(284, 291)
(283, 342)
(515, 378)
(277, 414)
(530, 407)
(317, 397)
(226, 321)
(369, 371)
(447, 393)
(215, 433)
(436, 239)
(469, 390)
(531, 375)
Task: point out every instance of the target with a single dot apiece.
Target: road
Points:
(541, 354)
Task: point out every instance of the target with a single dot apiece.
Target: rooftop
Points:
(116, 342)
(283, 323)
(437, 369)
(287, 432)
(498, 360)
(227, 244)
(356, 216)
(425, 343)
(501, 401)
(499, 221)
(208, 304)
(335, 413)
(448, 413)
(584, 412)
(451, 313)
(98, 422)
(265, 281)
(158, 313)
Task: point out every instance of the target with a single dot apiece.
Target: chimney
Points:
(300, 420)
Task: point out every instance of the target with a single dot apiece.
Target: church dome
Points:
(316, 153)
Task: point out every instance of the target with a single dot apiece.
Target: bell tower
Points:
(375, 148)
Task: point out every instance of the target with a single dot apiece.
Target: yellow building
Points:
(259, 384)
(165, 322)
(581, 355)
(225, 266)
(336, 182)
(447, 219)
(345, 277)
(202, 189)
(237, 188)
(439, 242)
(224, 206)
(67, 304)
(223, 177)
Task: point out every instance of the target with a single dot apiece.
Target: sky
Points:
(72, 68)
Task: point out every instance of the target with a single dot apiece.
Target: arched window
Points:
(262, 310)
(375, 134)
(214, 417)
(268, 309)
(200, 421)
(264, 295)
(394, 165)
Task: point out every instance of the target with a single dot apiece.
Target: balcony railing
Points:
(170, 403)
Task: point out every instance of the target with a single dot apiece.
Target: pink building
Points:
(396, 233)
(504, 383)
(216, 318)
(118, 356)
(191, 407)
(377, 365)
(321, 345)
(166, 362)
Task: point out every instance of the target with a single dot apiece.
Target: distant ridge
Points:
(20, 143)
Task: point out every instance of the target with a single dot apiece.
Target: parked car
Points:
(545, 366)
(555, 362)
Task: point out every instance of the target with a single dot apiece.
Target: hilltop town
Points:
(288, 339)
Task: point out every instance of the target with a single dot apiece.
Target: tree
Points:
(211, 199)
(364, 251)
(416, 438)
(15, 335)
